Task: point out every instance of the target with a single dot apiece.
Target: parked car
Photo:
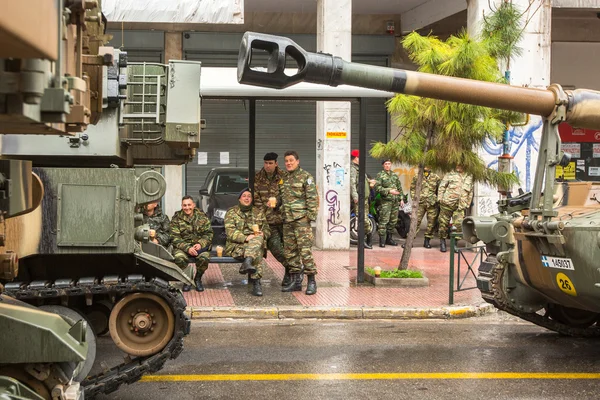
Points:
(219, 193)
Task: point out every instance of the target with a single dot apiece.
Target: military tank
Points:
(84, 136)
(543, 246)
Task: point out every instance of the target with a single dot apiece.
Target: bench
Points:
(218, 260)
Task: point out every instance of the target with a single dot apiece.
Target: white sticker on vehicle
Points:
(557, 262)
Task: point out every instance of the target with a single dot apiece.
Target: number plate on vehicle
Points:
(557, 262)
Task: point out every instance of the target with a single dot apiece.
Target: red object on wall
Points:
(568, 134)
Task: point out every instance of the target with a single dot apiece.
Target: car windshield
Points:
(230, 183)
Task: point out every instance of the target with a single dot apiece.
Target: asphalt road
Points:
(493, 357)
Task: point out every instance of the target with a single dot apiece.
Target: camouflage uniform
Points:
(427, 201)
(455, 194)
(265, 187)
(160, 223)
(299, 205)
(388, 207)
(186, 231)
(354, 194)
(238, 225)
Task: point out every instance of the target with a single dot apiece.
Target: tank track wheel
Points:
(132, 369)
(141, 324)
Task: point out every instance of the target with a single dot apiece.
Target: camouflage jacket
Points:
(160, 223)
(429, 189)
(298, 196)
(354, 183)
(265, 187)
(456, 190)
(238, 225)
(186, 231)
(387, 181)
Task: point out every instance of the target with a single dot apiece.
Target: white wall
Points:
(576, 64)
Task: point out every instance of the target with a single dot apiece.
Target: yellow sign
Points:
(336, 135)
(567, 173)
(565, 284)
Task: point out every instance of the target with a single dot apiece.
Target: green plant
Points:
(397, 273)
(443, 134)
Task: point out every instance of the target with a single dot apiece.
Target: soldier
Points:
(354, 197)
(390, 189)
(455, 194)
(299, 205)
(158, 222)
(247, 235)
(192, 235)
(428, 202)
(266, 186)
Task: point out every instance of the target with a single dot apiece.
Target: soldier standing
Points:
(159, 224)
(192, 235)
(390, 189)
(354, 197)
(266, 186)
(455, 194)
(428, 202)
(299, 205)
(247, 235)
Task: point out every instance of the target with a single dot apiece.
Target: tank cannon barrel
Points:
(581, 106)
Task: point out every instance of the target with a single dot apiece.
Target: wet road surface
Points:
(493, 357)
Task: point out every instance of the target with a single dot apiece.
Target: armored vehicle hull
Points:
(73, 242)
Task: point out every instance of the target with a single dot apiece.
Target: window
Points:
(230, 183)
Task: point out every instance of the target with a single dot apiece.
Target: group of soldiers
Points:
(443, 200)
(276, 217)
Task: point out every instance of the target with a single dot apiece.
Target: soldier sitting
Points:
(247, 234)
(192, 235)
(158, 223)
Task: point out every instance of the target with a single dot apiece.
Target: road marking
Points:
(374, 376)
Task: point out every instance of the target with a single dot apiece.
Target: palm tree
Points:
(442, 134)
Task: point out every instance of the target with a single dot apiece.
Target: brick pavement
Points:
(337, 284)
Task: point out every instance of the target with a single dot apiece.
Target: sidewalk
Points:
(228, 295)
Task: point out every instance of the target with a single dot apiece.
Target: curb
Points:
(342, 312)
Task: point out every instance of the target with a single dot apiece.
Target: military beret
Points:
(270, 157)
(386, 160)
(354, 153)
(243, 191)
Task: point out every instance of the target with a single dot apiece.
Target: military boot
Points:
(369, 241)
(389, 240)
(198, 282)
(295, 284)
(381, 241)
(256, 288)
(426, 243)
(186, 288)
(311, 287)
(286, 277)
(443, 245)
(247, 267)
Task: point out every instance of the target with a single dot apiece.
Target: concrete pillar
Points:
(531, 69)
(173, 173)
(334, 36)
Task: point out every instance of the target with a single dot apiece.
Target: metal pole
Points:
(251, 144)
(58, 63)
(362, 148)
(451, 277)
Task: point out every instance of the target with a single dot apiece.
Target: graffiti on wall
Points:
(524, 141)
(334, 221)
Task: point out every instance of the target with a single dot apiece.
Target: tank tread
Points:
(489, 282)
(132, 369)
